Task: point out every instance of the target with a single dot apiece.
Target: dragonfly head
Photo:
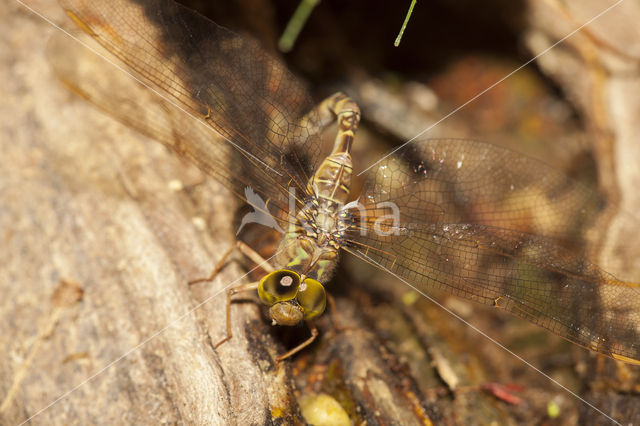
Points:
(286, 313)
(291, 297)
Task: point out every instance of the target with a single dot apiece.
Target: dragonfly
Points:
(462, 217)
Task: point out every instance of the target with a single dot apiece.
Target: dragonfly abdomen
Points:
(332, 180)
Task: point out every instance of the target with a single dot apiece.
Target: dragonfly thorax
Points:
(312, 244)
(314, 255)
(322, 221)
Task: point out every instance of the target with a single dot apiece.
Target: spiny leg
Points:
(244, 249)
(255, 257)
(333, 313)
(231, 292)
(333, 310)
(314, 334)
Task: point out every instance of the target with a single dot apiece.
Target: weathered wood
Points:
(86, 200)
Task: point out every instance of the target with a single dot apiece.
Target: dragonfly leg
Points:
(334, 312)
(244, 249)
(333, 309)
(230, 292)
(314, 334)
(255, 257)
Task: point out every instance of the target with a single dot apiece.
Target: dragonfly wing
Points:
(212, 78)
(477, 221)
(87, 75)
(466, 181)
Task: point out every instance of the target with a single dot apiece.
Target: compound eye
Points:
(312, 298)
(278, 286)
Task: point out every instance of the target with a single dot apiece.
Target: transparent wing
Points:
(216, 93)
(492, 226)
